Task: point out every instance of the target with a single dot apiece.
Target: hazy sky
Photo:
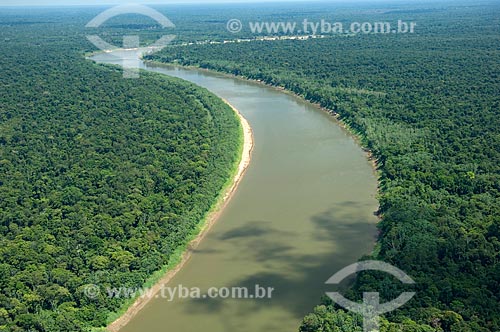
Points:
(166, 2)
(116, 2)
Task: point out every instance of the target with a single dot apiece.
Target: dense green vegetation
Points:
(101, 178)
(427, 105)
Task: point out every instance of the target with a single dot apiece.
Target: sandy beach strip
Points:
(141, 302)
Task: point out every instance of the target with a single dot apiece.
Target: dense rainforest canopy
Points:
(101, 178)
(427, 105)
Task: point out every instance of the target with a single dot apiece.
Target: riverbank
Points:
(304, 158)
(212, 217)
(357, 136)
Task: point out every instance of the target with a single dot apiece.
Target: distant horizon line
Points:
(217, 2)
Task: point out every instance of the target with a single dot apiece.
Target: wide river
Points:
(304, 210)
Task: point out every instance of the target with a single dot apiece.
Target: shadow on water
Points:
(300, 217)
(252, 229)
(334, 228)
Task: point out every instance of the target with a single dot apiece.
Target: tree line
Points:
(102, 179)
(427, 106)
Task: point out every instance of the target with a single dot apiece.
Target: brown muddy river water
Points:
(303, 211)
